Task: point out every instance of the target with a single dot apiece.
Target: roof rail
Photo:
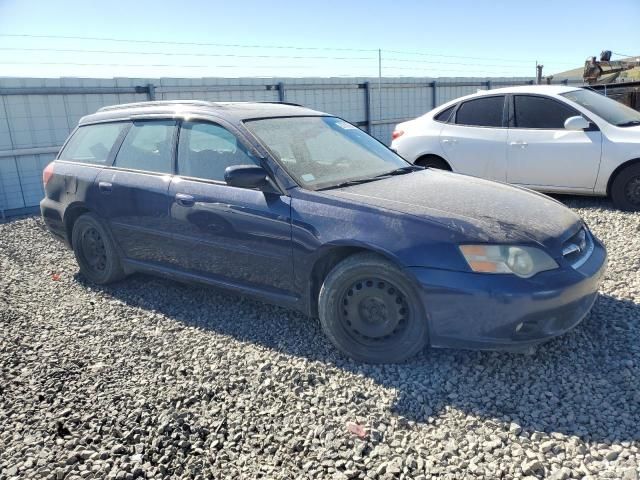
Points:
(158, 103)
(285, 103)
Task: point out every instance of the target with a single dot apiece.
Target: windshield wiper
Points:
(400, 171)
(630, 123)
(349, 183)
(358, 181)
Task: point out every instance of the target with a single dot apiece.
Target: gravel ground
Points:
(152, 379)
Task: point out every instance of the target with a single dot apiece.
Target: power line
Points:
(201, 44)
(154, 65)
(428, 54)
(237, 45)
(230, 55)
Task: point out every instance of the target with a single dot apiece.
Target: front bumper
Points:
(484, 311)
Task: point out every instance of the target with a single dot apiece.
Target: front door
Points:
(229, 234)
(543, 154)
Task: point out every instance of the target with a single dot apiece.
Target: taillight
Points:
(397, 134)
(47, 173)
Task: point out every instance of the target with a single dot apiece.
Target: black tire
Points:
(95, 251)
(431, 161)
(371, 312)
(625, 189)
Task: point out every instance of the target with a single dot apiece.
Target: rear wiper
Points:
(630, 123)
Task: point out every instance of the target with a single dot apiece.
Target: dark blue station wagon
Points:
(302, 209)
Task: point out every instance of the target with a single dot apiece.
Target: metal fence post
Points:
(433, 94)
(282, 95)
(488, 84)
(151, 92)
(367, 105)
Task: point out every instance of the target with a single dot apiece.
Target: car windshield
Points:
(606, 108)
(326, 152)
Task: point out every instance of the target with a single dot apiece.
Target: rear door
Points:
(475, 140)
(229, 234)
(133, 193)
(543, 154)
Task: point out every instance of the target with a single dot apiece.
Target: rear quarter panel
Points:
(421, 137)
(71, 184)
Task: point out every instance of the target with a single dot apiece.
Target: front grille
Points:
(577, 249)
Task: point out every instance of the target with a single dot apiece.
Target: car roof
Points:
(231, 111)
(548, 89)
(540, 89)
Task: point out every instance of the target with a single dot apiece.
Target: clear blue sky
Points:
(505, 38)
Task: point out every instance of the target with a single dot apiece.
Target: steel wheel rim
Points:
(632, 190)
(94, 252)
(374, 311)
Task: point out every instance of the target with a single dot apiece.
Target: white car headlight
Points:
(524, 262)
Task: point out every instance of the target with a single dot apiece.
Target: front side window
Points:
(148, 146)
(607, 109)
(322, 152)
(205, 150)
(540, 112)
(481, 112)
(92, 143)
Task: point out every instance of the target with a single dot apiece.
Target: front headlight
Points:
(524, 262)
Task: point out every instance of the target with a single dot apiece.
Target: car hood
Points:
(480, 210)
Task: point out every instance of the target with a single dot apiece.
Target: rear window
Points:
(92, 143)
(148, 146)
(481, 112)
(444, 115)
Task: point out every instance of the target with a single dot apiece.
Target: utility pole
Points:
(539, 73)
(379, 84)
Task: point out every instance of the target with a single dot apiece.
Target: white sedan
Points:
(554, 139)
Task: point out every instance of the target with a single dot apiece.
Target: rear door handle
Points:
(185, 200)
(450, 140)
(520, 144)
(105, 187)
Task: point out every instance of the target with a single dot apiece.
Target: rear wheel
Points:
(95, 251)
(370, 311)
(625, 189)
(432, 161)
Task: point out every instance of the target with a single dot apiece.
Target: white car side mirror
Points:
(576, 123)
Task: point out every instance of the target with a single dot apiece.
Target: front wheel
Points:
(370, 311)
(625, 189)
(95, 251)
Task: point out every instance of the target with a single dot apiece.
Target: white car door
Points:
(475, 139)
(543, 154)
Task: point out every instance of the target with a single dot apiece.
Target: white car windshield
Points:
(326, 152)
(606, 108)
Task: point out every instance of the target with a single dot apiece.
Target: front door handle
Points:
(519, 143)
(105, 187)
(185, 200)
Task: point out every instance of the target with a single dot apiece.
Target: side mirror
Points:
(576, 123)
(245, 176)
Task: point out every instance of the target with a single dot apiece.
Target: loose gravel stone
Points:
(148, 378)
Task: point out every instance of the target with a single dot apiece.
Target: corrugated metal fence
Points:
(36, 115)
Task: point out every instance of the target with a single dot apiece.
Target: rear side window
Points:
(444, 115)
(92, 143)
(540, 112)
(481, 112)
(205, 151)
(148, 146)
